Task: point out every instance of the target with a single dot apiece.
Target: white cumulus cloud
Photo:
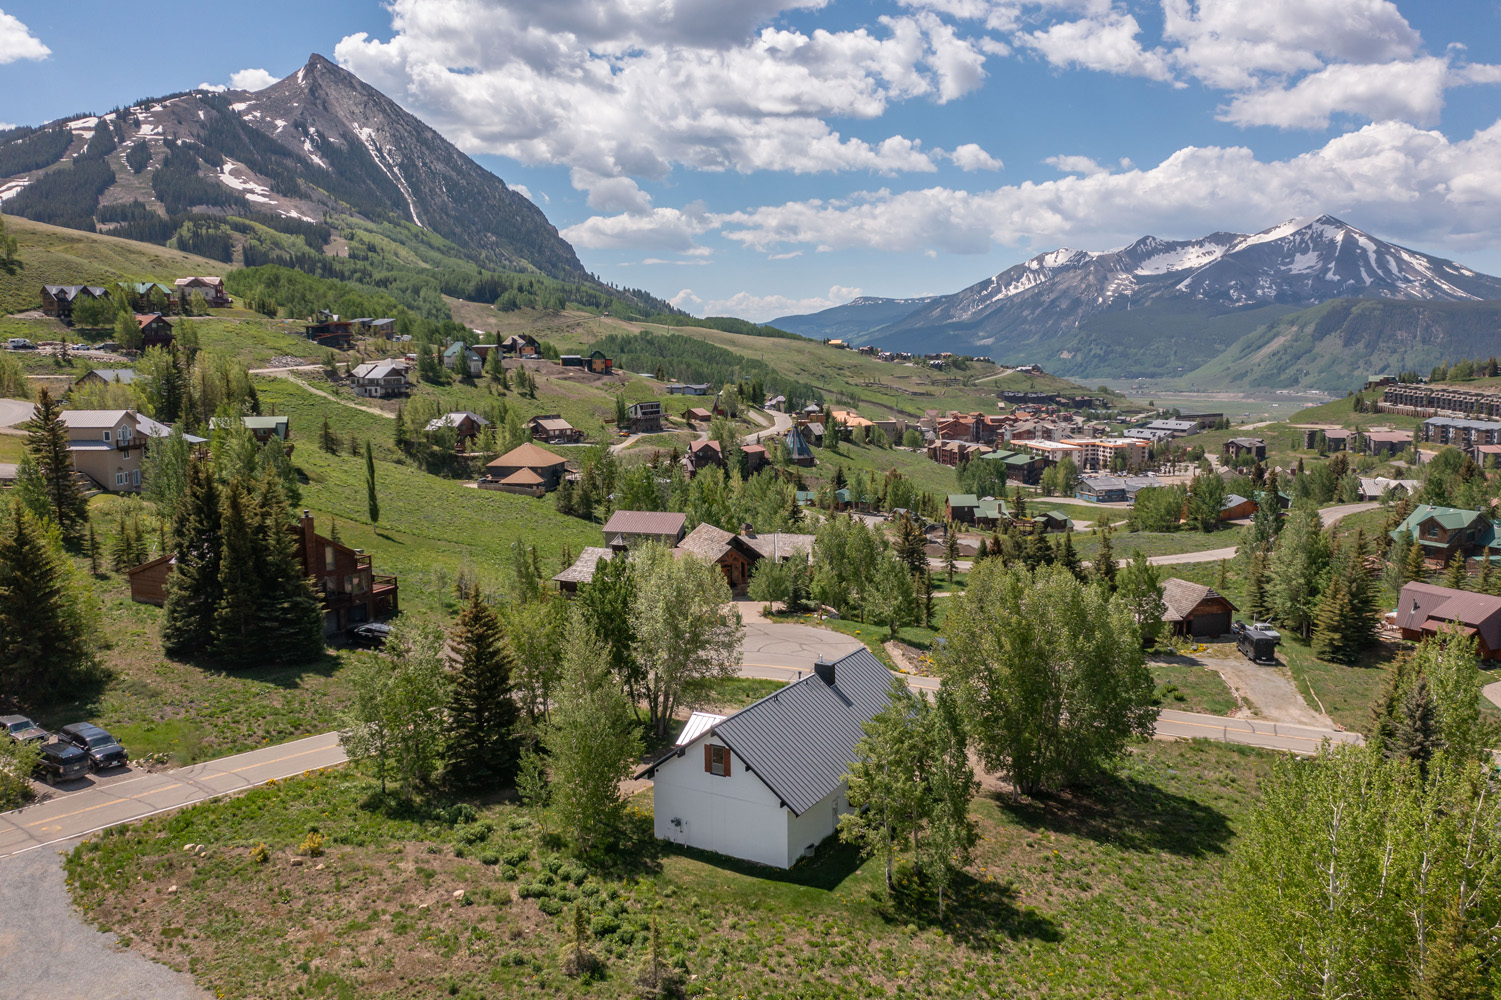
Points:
(17, 42)
(760, 308)
(971, 157)
(1105, 42)
(251, 79)
(618, 89)
(1392, 177)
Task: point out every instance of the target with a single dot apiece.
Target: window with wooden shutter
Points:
(717, 760)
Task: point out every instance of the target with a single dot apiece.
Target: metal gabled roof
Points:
(801, 740)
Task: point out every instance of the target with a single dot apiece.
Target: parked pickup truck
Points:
(19, 344)
(61, 761)
(102, 749)
(22, 729)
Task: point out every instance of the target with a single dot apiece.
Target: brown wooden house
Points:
(1425, 611)
(156, 330)
(735, 556)
(350, 591)
(1194, 609)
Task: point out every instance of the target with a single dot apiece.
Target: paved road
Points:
(47, 952)
(780, 422)
(14, 411)
(1329, 515)
(66, 816)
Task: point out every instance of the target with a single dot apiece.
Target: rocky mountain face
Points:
(318, 141)
(1095, 313)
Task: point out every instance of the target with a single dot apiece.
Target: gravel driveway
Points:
(47, 952)
(1269, 692)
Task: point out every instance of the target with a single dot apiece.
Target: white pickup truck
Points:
(19, 344)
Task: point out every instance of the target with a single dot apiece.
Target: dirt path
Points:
(286, 373)
(1266, 692)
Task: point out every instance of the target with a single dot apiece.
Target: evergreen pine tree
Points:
(44, 630)
(1454, 572)
(93, 546)
(47, 444)
(237, 623)
(1416, 735)
(1486, 582)
(981, 554)
(1330, 620)
(1416, 570)
(950, 550)
(290, 607)
(1068, 556)
(1018, 503)
(193, 588)
(1258, 606)
(400, 437)
(327, 439)
(482, 750)
(372, 502)
(1104, 566)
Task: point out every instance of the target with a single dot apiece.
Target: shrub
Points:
(603, 925)
(517, 858)
(553, 865)
(312, 845)
(260, 854)
(533, 890)
(551, 907)
(576, 875)
(476, 833)
(489, 858)
(508, 873)
(461, 812)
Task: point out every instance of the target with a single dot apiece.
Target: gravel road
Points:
(47, 952)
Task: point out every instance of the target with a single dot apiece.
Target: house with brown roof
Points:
(351, 593)
(1425, 611)
(583, 569)
(156, 330)
(522, 345)
(628, 528)
(553, 429)
(1236, 447)
(732, 554)
(525, 469)
(755, 457)
(702, 455)
(779, 546)
(697, 414)
(1194, 609)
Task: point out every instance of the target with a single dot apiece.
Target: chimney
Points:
(747, 530)
(825, 670)
(309, 545)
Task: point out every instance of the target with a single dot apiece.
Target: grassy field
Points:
(1098, 893)
(1189, 687)
(54, 256)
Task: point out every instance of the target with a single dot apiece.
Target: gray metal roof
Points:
(801, 740)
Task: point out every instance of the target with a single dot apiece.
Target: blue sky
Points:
(774, 156)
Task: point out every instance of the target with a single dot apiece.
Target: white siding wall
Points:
(737, 815)
(814, 824)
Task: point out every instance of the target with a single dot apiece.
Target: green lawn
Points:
(1189, 687)
(1152, 543)
(1099, 893)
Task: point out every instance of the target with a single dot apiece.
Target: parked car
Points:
(1255, 644)
(22, 729)
(62, 761)
(371, 635)
(103, 749)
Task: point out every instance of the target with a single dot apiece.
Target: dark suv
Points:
(101, 747)
(61, 761)
(371, 635)
(22, 729)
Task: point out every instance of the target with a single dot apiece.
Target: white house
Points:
(767, 783)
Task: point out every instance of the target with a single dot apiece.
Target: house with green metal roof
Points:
(1444, 532)
(960, 507)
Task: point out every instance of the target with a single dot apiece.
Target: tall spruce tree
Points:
(290, 607)
(1104, 567)
(194, 588)
(482, 715)
(237, 626)
(1454, 572)
(1298, 563)
(372, 502)
(44, 625)
(47, 444)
